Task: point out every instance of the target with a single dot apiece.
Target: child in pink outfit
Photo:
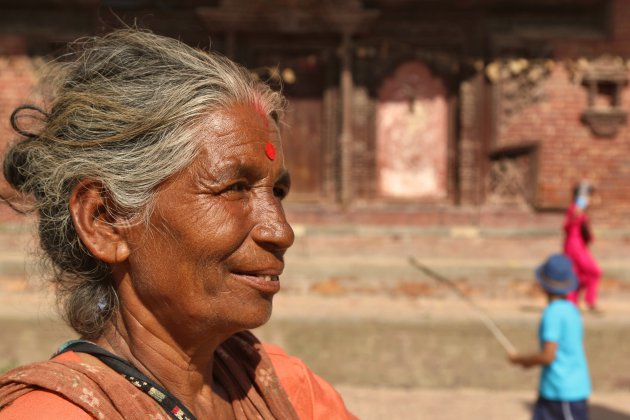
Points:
(578, 237)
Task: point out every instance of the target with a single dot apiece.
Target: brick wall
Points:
(569, 151)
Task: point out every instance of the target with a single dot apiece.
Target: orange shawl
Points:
(241, 366)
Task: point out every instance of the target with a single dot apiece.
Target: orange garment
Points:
(48, 404)
(312, 397)
(63, 389)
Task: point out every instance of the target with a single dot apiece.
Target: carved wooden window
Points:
(512, 175)
(605, 79)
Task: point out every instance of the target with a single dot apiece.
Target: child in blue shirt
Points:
(564, 382)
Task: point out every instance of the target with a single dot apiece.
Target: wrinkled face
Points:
(213, 254)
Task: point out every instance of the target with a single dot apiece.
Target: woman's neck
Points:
(185, 371)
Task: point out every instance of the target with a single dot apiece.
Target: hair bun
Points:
(15, 163)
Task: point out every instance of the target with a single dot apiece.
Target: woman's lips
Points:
(266, 283)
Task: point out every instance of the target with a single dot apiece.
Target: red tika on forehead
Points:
(270, 151)
(261, 111)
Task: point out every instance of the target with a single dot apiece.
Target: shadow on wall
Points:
(597, 412)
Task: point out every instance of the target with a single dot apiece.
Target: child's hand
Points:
(517, 359)
(513, 358)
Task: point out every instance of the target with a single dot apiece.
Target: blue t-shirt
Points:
(567, 377)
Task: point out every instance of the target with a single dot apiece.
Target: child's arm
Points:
(544, 357)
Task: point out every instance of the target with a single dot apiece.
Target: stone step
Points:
(437, 354)
(435, 343)
(386, 274)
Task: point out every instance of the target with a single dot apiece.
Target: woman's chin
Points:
(254, 317)
(261, 319)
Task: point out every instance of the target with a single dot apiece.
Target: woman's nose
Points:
(272, 229)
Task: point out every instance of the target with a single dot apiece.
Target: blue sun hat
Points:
(556, 275)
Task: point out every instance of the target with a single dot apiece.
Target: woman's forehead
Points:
(240, 117)
(236, 137)
(240, 127)
(227, 134)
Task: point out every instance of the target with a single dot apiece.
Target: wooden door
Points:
(412, 134)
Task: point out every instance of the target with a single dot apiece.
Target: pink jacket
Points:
(576, 245)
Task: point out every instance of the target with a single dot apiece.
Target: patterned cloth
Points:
(241, 366)
(100, 392)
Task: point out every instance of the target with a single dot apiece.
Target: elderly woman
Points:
(158, 178)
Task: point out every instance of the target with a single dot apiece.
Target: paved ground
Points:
(469, 404)
(360, 315)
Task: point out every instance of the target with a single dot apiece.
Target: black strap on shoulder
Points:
(175, 409)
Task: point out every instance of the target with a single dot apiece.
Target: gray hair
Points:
(125, 112)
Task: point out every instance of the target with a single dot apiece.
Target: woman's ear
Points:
(90, 208)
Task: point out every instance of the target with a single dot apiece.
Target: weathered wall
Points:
(568, 149)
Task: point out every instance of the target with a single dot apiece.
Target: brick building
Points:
(401, 111)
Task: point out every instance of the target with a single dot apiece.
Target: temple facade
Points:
(400, 111)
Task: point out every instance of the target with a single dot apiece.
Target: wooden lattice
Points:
(509, 180)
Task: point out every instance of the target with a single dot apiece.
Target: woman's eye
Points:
(236, 188)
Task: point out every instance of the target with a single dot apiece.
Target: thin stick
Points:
(483, 315)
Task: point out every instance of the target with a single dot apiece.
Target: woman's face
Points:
(212, 256)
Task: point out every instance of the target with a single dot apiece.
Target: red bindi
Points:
(270, 151)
